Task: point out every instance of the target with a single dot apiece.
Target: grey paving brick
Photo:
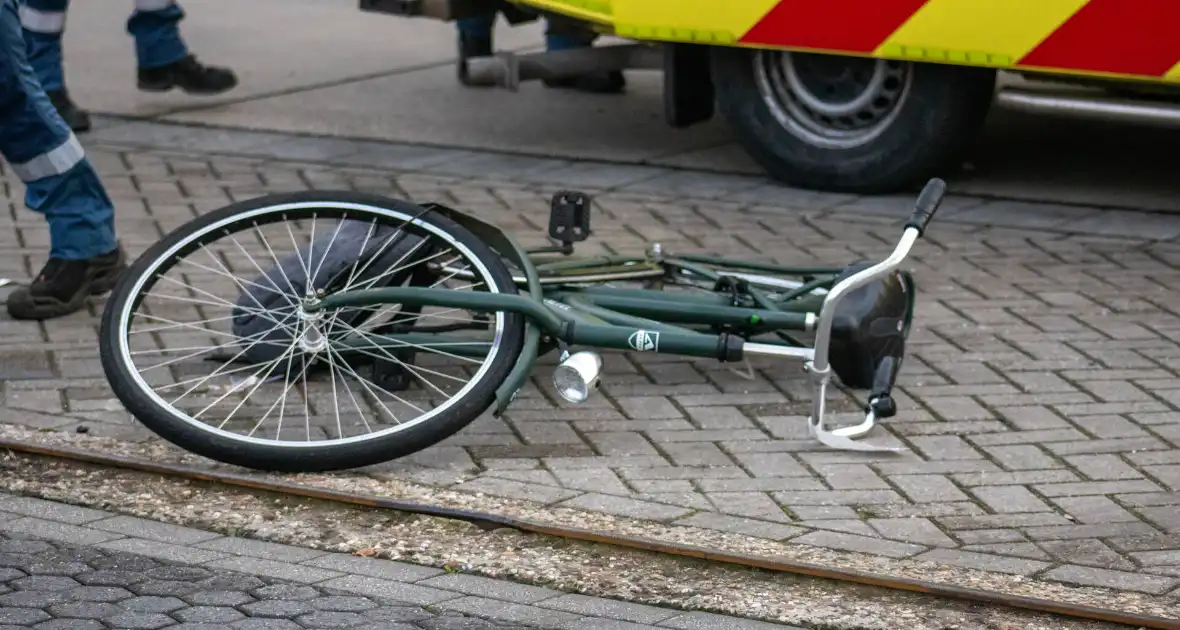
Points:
(520, 613)
(622, 506)
(494, 589)
(161, 550)
(709, 621)
(153, 530)
(1095, 509)
(945, 447)
(1095, 487)
(838, 497)
(377, 587)
(596, 623)
(739, 525)
(273, 568)
(1103, 530)
(983, 562)
(54, 530)
(49, 510)
(862, 544)
(260, 549)
(928, 488)
(1010, 499)
(517, 490)
(373, 567)
(1091, 553)
(851, 477)
(1103, 467)
(914, 530)
(1022, 457)
(1122, 580)
(607, 609)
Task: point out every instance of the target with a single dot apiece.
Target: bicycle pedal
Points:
(569, 216)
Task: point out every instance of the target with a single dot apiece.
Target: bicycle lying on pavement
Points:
(390, 326)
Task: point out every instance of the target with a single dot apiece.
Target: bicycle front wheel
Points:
(207, 340)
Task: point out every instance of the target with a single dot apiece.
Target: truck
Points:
(860, 96)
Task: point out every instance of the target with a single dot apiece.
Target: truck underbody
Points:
(842, 116)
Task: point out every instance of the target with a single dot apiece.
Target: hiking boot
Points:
(76, 118)
(611, 82)
(63, 286)
(189, 75)
(472, 47)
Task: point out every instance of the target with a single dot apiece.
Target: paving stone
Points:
(983, 562)
(709, 621)
(614, 609)
(862, 544)
(376, 587)
(1010, 499)
(161, 550)
(374, 567)
(1088, 576)
(152, 530)
(622, 506)
(273, 568)
(507, 611)
(49, 510)
(485, 587)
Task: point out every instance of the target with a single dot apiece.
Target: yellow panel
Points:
(989, 32)
(1173, 74)
(692, 20)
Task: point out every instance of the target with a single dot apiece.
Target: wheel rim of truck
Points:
(831, 101)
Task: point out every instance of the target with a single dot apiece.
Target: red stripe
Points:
(1138, 37)
(844, 25)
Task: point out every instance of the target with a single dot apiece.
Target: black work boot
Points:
(611, 82)
(75, 117)
(472, 47)
(63, 286)
(189, 75)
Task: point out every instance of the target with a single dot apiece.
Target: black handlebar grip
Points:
(927, 204)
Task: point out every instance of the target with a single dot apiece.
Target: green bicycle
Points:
(320, 331)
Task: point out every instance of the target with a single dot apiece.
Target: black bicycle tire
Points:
(311, 459)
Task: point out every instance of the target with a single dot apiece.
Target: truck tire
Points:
(849, 124)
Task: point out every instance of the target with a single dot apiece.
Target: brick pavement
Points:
(1039, 400)
(64, 567)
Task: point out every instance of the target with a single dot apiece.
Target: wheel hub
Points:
(832, 101)
(312, 338)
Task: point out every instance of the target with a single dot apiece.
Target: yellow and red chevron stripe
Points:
(1132, 38)
(1113, 37)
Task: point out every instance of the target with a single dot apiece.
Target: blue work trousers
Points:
(39, 147)
(154, 24)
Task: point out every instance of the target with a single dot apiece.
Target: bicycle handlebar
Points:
(927, 205)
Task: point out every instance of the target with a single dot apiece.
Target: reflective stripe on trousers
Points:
(40, 148)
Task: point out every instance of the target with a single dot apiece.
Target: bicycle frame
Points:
(640, 320)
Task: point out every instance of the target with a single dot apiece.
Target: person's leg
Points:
(61, 184)
(564, 34)
(162, 56)
(475, 40)
(43, 22)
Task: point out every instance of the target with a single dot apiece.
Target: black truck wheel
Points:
(850, 124)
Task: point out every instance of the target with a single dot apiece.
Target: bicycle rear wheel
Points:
(207, 340)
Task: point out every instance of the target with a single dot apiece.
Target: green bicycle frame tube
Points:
(476, 301)
(662, 310)
(750, 265)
